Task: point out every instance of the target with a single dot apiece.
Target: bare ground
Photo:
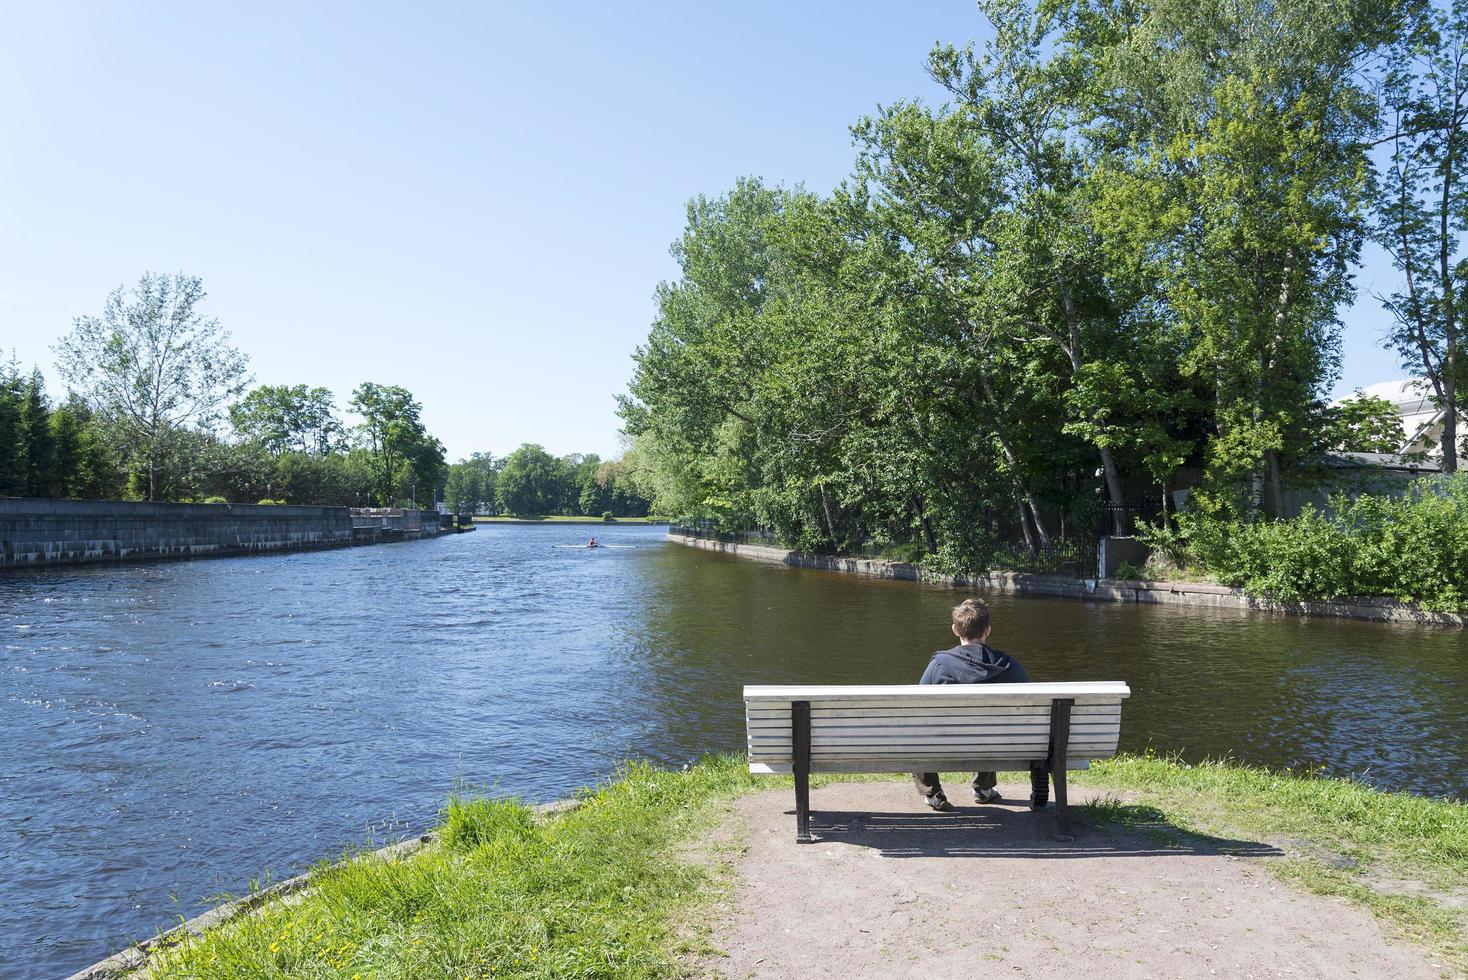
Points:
(892, 889)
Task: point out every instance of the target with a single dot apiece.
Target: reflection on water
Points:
(178, 729)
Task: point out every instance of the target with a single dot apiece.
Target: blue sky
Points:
(475, 203)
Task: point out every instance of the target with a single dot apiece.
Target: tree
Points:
(37, 447)
(285, 418)
(12, 458)
(1362, 425)
(1237, 135)
(150, 365)
(399, 447)
(1422, 209)
(527, 482)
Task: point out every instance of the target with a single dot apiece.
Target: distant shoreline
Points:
(572, 520)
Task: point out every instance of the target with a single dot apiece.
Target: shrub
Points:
(607, 515)
(1413, 548)
(214, 500)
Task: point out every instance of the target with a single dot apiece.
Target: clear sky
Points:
(473, 202)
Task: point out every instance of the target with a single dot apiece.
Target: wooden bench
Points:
(930, 728)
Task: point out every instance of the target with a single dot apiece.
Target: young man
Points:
(974, 662)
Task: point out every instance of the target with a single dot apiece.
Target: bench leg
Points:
(800, 766)
(1059, 742)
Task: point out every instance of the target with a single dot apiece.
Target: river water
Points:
(171, 731)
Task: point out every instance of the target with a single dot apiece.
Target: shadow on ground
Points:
(1110, 830)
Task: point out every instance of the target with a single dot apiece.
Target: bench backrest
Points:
(933, 727)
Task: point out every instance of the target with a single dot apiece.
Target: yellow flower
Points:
(275, 947)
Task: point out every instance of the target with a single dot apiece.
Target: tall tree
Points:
(1422, 206)
(151, 364)
(1240, 132)
(37, 447)
(406, 461)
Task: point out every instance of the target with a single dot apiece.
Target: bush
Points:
(1413, 548)
(214, 500)
(267, 500)
(606, 515)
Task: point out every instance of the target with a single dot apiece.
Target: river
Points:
(172, 731)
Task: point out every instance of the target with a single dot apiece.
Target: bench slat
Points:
(909, 765)
(1028, 750)
(938, 727)
(981, 692)
(764, 710)
(941, 700)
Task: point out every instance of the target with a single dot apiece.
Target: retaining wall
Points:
(1098, 590)
(39, 532)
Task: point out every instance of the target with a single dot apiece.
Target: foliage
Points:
(288, 418)
(1420, 213)
(1117, 253)
(1361, 425)
(406, 461)
(149, 366)
(1413, 548)
(530, 481)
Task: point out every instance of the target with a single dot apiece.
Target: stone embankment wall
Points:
(1100, 590)
(37, 532)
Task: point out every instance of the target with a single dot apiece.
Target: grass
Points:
(614, 888)
(1404, 857)
(563, 519)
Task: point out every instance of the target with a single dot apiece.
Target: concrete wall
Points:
(1203, 594)
(37, 532)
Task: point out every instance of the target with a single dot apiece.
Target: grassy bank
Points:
(560, 519)
(609, 889)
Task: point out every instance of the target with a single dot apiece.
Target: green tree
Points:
(1421, 208)
(405, 459)
(37, 447)
(12, 458)
(289, 418)
(151, 365)
(527, 483)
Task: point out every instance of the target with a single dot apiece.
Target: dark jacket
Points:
(973, 663)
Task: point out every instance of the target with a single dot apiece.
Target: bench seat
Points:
(805, 729)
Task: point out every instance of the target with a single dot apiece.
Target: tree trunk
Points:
(1024, 526)
(922, 518)
(1113, 491)
(1276, 484)
(1020, 488)
(830, 527)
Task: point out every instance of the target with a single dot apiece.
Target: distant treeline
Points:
(159, 407)
(532, 481)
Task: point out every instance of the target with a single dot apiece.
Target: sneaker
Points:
(938, 802)
(990, 795)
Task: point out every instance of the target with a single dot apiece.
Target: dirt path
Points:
(892, 889)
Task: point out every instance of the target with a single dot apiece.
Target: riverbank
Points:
(1202, 594)
(46, 533)
(645, 874)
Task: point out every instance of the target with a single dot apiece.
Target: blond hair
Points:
(971, 619)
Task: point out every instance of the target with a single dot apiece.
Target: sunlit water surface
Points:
(172, 731)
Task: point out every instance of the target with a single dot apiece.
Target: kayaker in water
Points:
(592, 543)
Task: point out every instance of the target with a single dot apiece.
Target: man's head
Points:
(971, 621)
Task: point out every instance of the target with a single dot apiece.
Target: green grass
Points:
(1404, 857)
(615, 887)
(562, 519)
